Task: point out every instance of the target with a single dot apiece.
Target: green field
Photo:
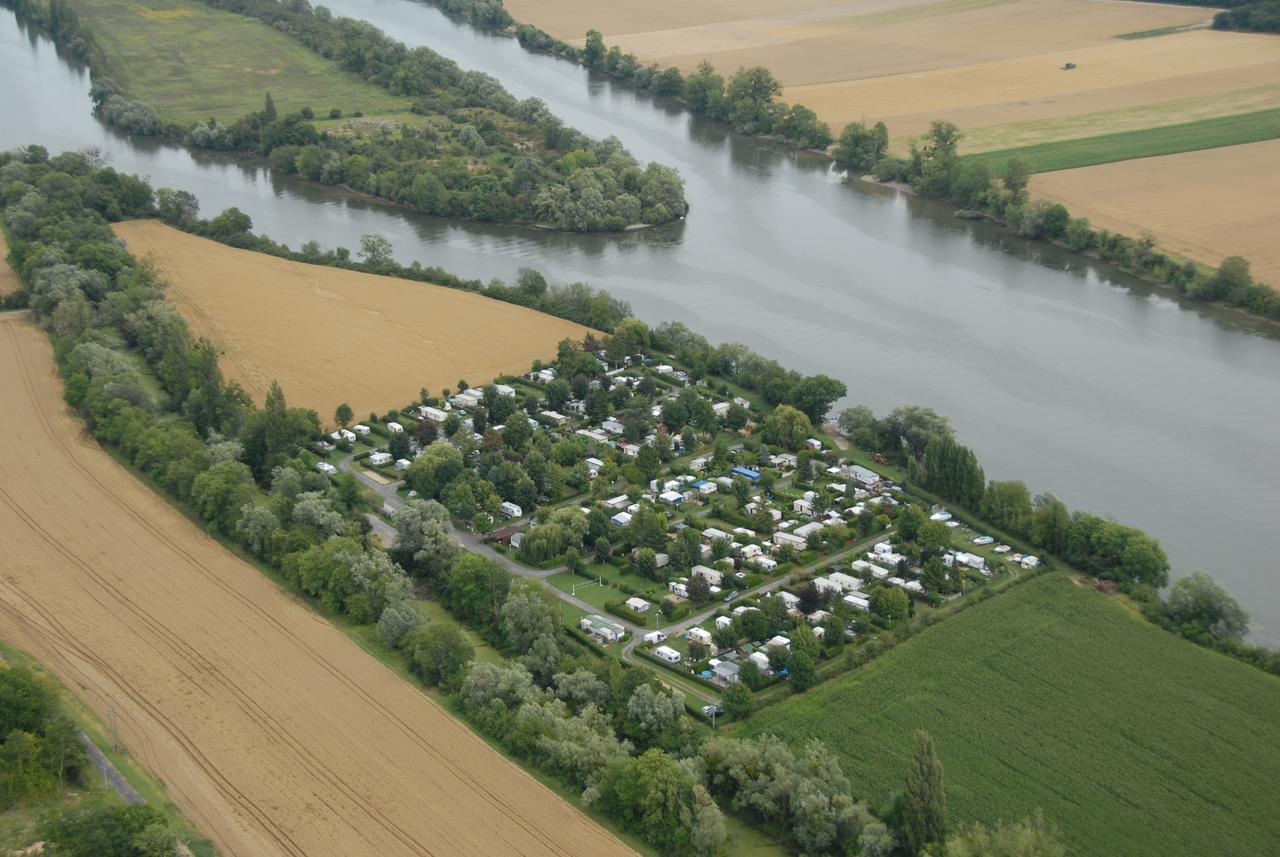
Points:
(190, 62)
(1133, 741)
(1146, 143)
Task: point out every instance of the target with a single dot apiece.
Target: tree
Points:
(891, 603)
(787, 427)
(1197, 601)
(528, 612)
(219, 494)
(425, 542)
(704, 91)
(738, 700)
(924, 817)
(750, 94)
(440, 654)
(816, 394)
(593, 51)
(1030, 837)
(275, 434)
(439, 464)
(375, 250)
(860, 148)
(650, 712)
(343, 415)
(1017, 174)
(699, 589)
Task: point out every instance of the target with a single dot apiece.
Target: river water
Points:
(1055, 369)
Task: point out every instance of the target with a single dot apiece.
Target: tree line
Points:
(923, 443)
(935, 169)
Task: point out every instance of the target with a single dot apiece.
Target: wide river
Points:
(1056, 370)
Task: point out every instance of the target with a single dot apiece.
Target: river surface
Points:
(1055, 369)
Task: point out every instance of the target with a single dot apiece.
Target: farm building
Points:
(601, 628)
(434, 414)
(863, 476)
(726, 672)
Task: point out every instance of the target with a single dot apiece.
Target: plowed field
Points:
(331, 336)
(274, 732)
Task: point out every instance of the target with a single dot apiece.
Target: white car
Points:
(983, 540)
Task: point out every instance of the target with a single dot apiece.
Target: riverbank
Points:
(460, 145)
(1129, 253)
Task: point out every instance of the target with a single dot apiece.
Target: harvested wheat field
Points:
(331, 336)
(8, 279)
(977, 63)
(1204, 205)
(273, 732)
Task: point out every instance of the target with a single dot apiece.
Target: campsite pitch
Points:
(275, 733)
(331, 336)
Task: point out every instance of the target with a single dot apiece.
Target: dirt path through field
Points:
(273, 731)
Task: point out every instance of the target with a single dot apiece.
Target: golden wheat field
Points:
(978, 63)
(275, 734)
(8, 279)
(331, 336)
(1204, 205)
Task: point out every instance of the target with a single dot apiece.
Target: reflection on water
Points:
(1054, 368)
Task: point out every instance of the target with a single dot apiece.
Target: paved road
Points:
(113, 777)
(477, 544)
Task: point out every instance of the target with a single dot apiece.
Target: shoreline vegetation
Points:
(471, 151)
(994, 183)
(152, 393)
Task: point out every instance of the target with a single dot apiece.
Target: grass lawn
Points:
(583, 587)
(1051, 695)
(190, 62)
(1146, 143)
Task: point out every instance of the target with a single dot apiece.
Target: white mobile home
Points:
(667, 654)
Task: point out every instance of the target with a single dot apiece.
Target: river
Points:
(1055, 369)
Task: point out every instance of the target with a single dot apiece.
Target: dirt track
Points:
(274, 732)
(8, 279)
(331, 336)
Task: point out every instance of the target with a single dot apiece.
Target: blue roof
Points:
(746, 471)
(699, 483)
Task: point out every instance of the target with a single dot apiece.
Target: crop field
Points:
(1051, 695)
(274, 732)
(190, 62)
(1203, 205)
(1145, 143)
(331, 336)
(978, 63)
(8, 279)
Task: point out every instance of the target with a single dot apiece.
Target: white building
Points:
(434, 414)
(712, 576)
(637, 604)
(667, 654)
(361, 429)
(655, 637)
(395, 427)
(377, 459)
